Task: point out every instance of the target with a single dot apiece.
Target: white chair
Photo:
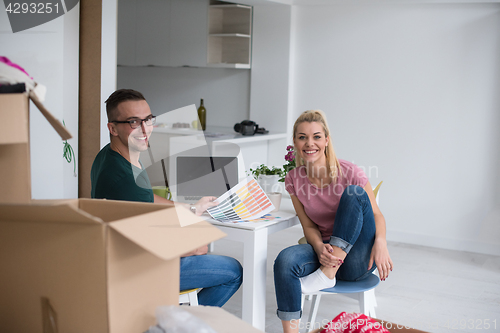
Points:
(363, 290)
(189, 297)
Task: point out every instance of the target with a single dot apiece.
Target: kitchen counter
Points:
(219, 133)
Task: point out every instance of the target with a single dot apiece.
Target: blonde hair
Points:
(331, 159)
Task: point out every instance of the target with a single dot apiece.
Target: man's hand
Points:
(201, 250)
(204, 204)
(198, 252)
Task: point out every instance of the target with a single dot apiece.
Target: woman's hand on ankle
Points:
(325, 256)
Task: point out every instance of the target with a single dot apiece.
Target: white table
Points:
(254, 238)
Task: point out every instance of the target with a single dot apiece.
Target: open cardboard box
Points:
(92, 265)
(14, 145)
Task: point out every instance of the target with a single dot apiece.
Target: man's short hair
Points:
(120, 96)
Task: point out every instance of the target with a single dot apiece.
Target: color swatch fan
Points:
(245, 201)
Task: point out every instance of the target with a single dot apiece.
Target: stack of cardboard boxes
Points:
(86, 265)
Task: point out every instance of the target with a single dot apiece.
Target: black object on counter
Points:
(261, 130)
(246, 127)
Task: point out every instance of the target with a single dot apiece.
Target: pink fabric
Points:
(7, 61)
(320, 204)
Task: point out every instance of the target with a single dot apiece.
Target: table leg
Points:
(254, 278)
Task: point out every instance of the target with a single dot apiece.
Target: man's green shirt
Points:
(115, 178)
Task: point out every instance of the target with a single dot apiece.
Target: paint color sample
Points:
(245, 201)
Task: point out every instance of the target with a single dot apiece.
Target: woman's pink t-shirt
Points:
(321, 204)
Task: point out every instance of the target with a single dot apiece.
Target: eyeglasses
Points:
(137, 122)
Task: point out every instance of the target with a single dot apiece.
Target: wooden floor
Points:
(430, 289)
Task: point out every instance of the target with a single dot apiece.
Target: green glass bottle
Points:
(202, 115)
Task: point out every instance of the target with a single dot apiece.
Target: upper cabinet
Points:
(230, 35)
(162, 32)
(184, 33)
(188, 39)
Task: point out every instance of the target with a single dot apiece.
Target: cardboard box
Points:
(92, 265)
(14, 146)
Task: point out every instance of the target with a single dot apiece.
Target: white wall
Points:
(270, 78)
(108, 60)
(412, 91)
(225, 91)
(270, 66)
(49, 53)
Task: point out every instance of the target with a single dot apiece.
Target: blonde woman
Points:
(342, 223)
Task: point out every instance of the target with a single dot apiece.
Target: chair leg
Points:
(302, 301)
(313, 312)
(193, 298)
(362, 304)
(367, 303)
(373, 297)
(370, 294)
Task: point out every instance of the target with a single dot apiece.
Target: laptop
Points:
(200, 176)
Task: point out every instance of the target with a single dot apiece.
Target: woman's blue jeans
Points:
(353, 232)
(219, 276)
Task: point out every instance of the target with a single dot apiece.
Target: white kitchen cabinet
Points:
(126, 33)
(230, 36)
(188, 33)
(153, 32)
(162, 32)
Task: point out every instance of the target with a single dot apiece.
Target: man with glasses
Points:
(118, 174)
